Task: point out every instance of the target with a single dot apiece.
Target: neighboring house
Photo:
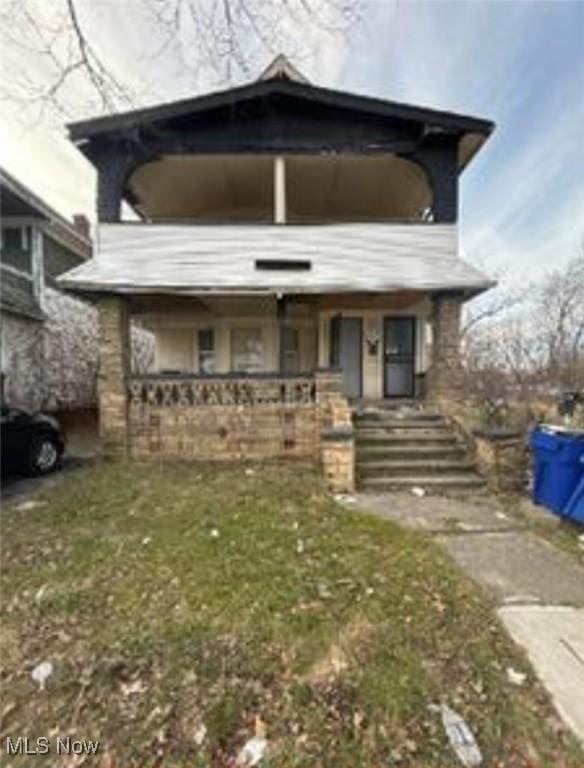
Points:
(49, 338)
(297, 251)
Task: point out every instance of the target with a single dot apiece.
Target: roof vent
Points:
(281, 68)
(283, 265)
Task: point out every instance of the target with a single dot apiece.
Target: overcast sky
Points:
(520, 64)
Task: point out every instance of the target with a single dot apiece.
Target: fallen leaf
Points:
(132, 688)
(40, 594)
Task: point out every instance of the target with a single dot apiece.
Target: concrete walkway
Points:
(518, 567)
(554, 640)
(539, 588)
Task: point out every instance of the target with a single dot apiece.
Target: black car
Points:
(31, 444)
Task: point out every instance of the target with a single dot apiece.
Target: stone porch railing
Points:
(188, 390)
(238, 416)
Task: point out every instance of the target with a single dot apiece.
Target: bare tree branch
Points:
(106, 85)
(491, 310)
(228, 39)
(538, 350)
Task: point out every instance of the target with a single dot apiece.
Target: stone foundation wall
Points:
(223, 432)
(503, 461)
(223, 417)
(236, 417)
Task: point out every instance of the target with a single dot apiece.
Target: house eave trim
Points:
(181, 290)
(113, 124)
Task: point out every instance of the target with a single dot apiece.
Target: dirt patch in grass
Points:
(351, 644)
(179, 604)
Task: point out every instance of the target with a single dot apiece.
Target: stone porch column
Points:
(337, 444)
(333, 407)
(446, 374)
(114, 368)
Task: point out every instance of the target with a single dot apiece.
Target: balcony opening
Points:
(322, 188)
(205, 189)
(310, 189)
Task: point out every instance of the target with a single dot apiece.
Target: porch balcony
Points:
(280, 149)
(307, 188)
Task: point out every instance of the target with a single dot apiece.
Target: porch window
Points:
(206, 351)
(247, 350)
(291, 350)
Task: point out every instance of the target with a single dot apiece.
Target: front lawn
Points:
(180, 606)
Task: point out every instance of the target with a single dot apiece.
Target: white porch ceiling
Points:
(319, 188)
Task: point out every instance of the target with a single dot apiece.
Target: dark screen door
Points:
(346, 351)
(399, 352)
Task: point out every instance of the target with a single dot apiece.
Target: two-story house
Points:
(295, 252)
(49, 338)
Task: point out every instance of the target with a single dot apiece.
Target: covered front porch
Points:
(382, 344)
(268, 376)
(265, 336)
(379, 302)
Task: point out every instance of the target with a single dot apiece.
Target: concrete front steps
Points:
(399, 448)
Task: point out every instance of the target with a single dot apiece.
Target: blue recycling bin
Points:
(557, 466)
(575, 506)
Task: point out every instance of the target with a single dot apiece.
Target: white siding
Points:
(190, 259)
